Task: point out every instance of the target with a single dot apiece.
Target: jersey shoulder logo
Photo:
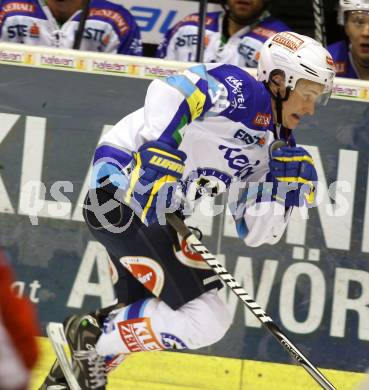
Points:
(263, 32)
(18, 6)
(195, 18)
(113, 16)
(238, 99)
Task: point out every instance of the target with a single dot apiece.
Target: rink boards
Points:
(314, 283)
(178, 371)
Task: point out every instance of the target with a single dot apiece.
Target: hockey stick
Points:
(196, 246)
(81, 26)
(319, 22)
(203, 6)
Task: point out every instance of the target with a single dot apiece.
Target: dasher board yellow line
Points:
(184, 371)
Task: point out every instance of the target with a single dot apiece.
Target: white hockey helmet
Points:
(351, 5)
(299, 57)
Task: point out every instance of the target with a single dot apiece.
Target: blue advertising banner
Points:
(314, 283)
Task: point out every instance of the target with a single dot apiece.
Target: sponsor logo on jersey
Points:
(239, 162)
(147, 271)
(189, 258)
(17, 30)
(106, 40)
(137, 335)
(97, 35)
(340, 67)
(113, 361)
(288, 40)
(238, 101)
(196, 19)
(170, 341)
(34, 31)
(249, 139)
(18, 6)
(262, 119)
(116, 17)
(187, 40)
(248, 52)
(263, 32)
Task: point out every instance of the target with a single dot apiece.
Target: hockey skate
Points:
(86, 370)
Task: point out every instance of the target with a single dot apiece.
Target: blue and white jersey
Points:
(109, 27)
(341, 55)
(241, 49)
(221, 117)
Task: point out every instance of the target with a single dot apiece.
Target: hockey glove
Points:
(294, 167)
(155, 173)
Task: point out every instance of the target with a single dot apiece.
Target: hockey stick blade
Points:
(195, 245)
(55, 332)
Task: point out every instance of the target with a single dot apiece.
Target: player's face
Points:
(245, 10)
(62, 10)
(302, 101)
(357, 30)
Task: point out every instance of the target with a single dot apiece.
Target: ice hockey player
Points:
(109, 27)
(351, 55)
(211, 128)
(234, 36)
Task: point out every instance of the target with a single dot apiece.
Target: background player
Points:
(351, 56)
(109, 26)
(234, 36)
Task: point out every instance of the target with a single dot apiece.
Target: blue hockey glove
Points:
(294, 167)
(156, 170)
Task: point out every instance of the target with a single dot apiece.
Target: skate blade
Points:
(56, 335)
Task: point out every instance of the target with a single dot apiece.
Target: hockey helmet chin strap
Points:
(279, 106)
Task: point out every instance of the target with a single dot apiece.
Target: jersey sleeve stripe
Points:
(173, 134)
(112, 154)
(200, 70)
(194, 96)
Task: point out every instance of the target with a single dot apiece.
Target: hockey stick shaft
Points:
(196, 246)
(319, 22)
(81, 26)
(203, 6)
